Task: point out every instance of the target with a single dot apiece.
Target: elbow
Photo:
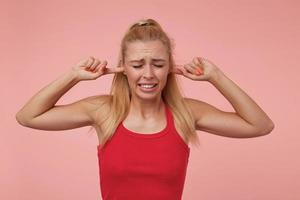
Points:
(20, 120)
(268, 129)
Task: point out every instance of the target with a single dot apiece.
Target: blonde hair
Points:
(118, 101)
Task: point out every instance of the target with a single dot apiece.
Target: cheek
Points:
(163, 78)
(132, 79)
(163, 74)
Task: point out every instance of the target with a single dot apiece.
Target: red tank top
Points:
(143, 166)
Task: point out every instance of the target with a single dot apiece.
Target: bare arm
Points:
(248, 112)
(248, 120)
(40, 112)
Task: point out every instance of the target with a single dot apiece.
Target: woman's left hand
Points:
(199, 69)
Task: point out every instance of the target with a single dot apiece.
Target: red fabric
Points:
(143, 166)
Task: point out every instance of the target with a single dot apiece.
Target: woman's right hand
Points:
(92, 68)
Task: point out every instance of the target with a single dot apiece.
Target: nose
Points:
(148, 72)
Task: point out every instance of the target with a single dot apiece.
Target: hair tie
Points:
(144, 23)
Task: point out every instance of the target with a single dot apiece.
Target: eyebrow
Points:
(154, 59)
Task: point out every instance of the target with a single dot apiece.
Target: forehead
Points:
(146, 49)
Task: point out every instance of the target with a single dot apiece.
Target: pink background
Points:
(255, 43)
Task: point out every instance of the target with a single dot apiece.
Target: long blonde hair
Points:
(118, 101)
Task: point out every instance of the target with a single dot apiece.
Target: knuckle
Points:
(97, 61)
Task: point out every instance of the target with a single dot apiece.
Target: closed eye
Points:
(137, 66)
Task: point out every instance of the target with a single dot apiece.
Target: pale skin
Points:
(248, 120)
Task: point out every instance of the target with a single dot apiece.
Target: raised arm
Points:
(40, 112)
(248, 120)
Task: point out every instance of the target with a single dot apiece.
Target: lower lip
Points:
(148, 89)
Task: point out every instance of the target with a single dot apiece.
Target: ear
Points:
(169, 71)
(123, 66)
(124, 72)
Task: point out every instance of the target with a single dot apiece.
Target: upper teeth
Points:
(147, 86)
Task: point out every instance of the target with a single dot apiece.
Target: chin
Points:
(148, 96)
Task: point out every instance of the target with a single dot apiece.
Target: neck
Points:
(146, 109)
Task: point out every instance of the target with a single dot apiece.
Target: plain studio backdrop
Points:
(255, 43)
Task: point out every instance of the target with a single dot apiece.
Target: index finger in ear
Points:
(114, 70)
(176, 70)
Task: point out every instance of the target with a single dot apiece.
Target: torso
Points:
(130, 123)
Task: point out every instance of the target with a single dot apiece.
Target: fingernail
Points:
(199, 71)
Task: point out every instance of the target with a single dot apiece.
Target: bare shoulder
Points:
(195, 106)
(200, 110)
(95, 103)
(97, 107)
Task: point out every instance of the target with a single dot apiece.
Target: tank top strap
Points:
(170, 120)
(172, 129)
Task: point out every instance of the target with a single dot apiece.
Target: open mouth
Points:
(147, 86)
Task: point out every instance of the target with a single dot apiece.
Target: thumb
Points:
(104, 63)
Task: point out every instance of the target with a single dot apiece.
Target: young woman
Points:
(145, 125)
